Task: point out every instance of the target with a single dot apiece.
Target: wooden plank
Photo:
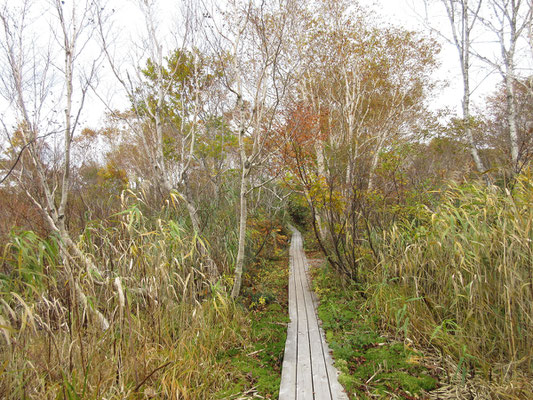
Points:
(308, 371)
(336, 390)
(320, 373)
(304, 380)
(287, 390)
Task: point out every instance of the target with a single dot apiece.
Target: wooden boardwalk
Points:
(308, 372)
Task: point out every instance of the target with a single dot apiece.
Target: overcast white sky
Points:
(399, 12)
(411, 14)
(407, 13)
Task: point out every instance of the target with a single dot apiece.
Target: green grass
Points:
(455, 280)
(468, 266)
(265, 296)
(372, 363)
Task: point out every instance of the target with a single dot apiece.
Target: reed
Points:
(461, 277)
(168, 323)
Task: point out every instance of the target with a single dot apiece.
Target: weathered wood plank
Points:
(337, 391)
(320, 373)
(308, 371)
(287, 389)
(304, 377)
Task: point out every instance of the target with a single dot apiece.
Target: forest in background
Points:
(130, 251)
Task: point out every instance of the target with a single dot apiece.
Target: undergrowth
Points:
(265, 296)
(374, 363)
(467, 265)
(455, 280)
(172, 334)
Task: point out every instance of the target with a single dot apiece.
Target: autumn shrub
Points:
(460, 276)
(16, 210)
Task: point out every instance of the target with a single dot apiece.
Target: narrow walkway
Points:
(308, 372)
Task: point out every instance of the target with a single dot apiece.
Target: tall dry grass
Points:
(168, 323)
(461, 278)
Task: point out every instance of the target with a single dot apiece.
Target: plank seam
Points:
(315, 310)
(302, 285)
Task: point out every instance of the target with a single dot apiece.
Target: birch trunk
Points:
(465, 68)
(509, 22)
(461, 31)
(242, 232)
(319, 149)
(508, 55)
(511, 120)
(514, 21)
(468, 130)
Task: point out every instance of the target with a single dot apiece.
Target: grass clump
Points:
(173, 333)
(455, 279)
(470, 264)
(265, 296)
(372, 363)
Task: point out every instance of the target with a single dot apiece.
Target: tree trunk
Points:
(212, 269)
(242, 233)
(466, 88)
(319, 149)
(511, 117)
(466, 114)
(374, 163)
(511, 107)
(461, 24)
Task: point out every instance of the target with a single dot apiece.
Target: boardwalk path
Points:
(308, 371)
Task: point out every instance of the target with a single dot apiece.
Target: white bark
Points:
(25, 70)
(140, 91)
(510, 13)
(243, 218)
(245, 167)
(319, 148)
(462, 22)
(253, 76)
(509, 22)
(512, 120)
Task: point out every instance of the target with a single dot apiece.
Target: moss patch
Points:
(371, 365)
(264, 295)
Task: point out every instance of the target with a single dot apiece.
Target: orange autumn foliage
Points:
(295, 141)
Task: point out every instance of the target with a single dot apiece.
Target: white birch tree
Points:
(39, 89)
(251, 39)
(464, 17)
(508, 21)
(150, 87)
